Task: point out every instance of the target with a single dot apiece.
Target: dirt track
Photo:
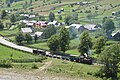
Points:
(37, 74)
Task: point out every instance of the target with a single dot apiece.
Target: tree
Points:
(35, 38)
(104, 19)
(108, 26)
(8, 4)
(21, 25)
(1, 26)
(111, 59)
(75, 16)
(60, 17)
(19, 38)
(99, 44)
(30, 1)
(52, 16)
(67, 19)
(28, 38)
(13, 18)
(3, 14)
(64, 39)
(59, 1)
(53, 43)
(70, 19)
(85, 43)
(49, 31)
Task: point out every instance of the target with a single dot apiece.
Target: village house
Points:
(28, 16)
(42, 24)
(91, 27)
(30, 24)
(39, 35)
(116, 35)
(24, 21)
(77, 27)
(55, 23)
(26, 30)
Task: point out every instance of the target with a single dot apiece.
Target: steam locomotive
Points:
(59, 55)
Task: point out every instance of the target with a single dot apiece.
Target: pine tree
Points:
(52, 16)
(13, 18)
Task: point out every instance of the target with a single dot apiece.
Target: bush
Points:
(29, 60)
(89, 73)
(6, 63)
(34, 66)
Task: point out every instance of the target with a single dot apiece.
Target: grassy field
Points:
(20, 60)
(73, 46)
(41, 45)
(5, 53)
(9, 32)
(72, 69)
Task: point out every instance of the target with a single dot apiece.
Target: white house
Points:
(39, 34)
(26, 30)
(116, 35)
(27, 15)
(55, 23)
(67, 26)
(76, 26)
(24, 21)
(30, 24)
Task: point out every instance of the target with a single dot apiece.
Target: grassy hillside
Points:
(6, 52)
(71, 69)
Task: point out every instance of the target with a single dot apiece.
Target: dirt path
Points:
(45, 66)
(12, 74)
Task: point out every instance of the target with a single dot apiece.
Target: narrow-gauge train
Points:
(81, 59)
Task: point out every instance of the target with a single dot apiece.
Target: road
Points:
(12, 45)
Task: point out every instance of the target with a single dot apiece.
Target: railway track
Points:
(58, 55)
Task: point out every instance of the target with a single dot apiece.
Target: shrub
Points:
(34, 66)
(6, 63)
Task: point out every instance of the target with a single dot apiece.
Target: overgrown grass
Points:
(73, 69)
(27, 65)
(9, 32)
